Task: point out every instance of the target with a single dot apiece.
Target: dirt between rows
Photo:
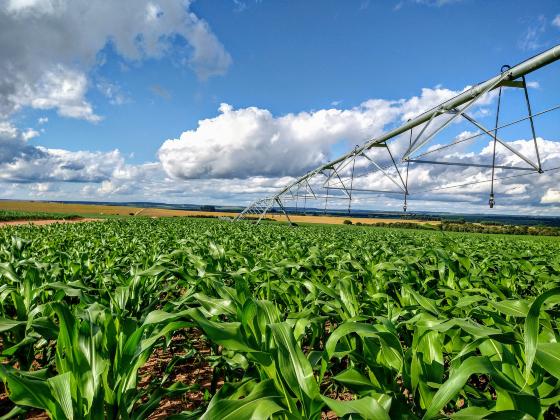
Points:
(47, 221)
(195, 372)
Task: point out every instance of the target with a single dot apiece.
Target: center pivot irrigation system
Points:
(375, 163)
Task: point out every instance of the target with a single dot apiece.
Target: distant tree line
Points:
(463, 226)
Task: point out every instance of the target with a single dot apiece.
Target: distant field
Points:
(15, 215)
(80, 209)
(44, 222)
(337, 220)
(95, 210)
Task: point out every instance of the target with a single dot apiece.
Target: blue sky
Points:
(115, 92)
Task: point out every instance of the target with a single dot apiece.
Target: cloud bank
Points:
(241, 154)
(241, 143)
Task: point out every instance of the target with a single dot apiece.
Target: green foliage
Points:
(362, 323)
(9, 215)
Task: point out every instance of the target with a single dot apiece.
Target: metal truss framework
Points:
(337, 177)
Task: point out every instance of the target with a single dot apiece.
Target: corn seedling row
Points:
(296, 323)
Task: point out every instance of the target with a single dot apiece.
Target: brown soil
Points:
(195, 372)
(37, 415)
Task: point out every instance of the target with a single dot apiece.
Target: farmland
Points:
(147, 318)
(13, 215)
(97, 210)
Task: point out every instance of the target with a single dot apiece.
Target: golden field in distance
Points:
(97, 210)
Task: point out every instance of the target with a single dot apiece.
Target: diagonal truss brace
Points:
(384, 172)
(258, 209)
(417, 143)
(383, 169)
(493, 135)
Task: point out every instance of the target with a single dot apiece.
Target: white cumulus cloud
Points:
(551, 196)
(48, 47)
(240, 143)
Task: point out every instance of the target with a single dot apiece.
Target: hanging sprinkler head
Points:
(491, 202)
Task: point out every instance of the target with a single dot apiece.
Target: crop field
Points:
(13, 215)
(48, 208)
(97, 210)
(192, 318)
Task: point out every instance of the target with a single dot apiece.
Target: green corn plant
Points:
(399, 324)
(97, 361)
(25, 318)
